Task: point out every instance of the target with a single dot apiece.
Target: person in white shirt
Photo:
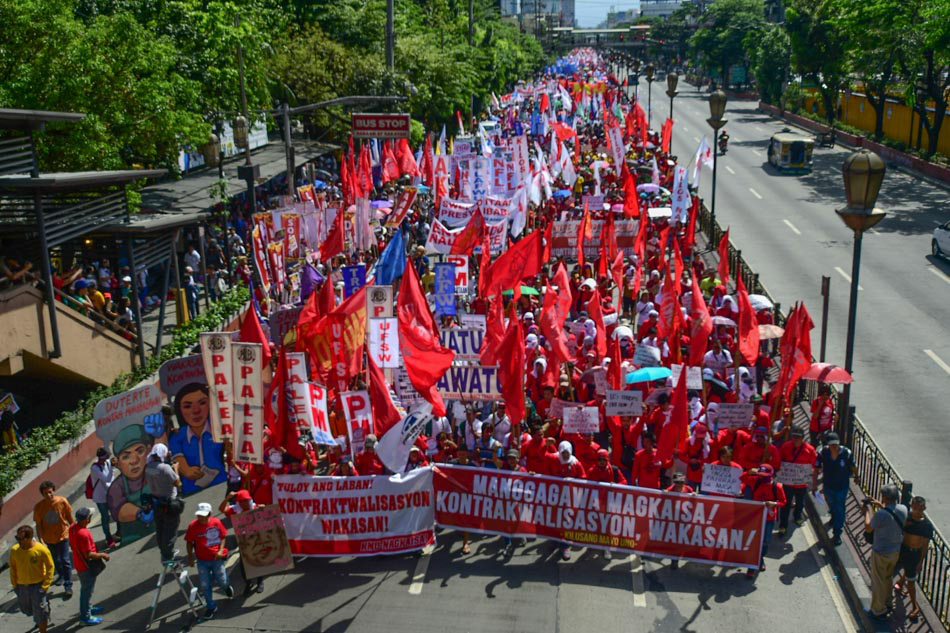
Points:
(101, 473)
(192, 258)
(717, 359)
(500, 421)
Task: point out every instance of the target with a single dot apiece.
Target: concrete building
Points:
(660, 8)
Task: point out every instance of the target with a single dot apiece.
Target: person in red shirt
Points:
(547, 397)
(367, 461)
(604, 471)
(724, 458)
(773, 495)
(447, 450)
(205, 538)
(242, 502)
(679, 485)
(84, 550)
(585, 449)
(822, 414)
(798, 451)
(696, 450)
(646, 467)
(624, 441)
(534, 450)
(345, 468)
(759, 451)
(260, 484)
(568, 466)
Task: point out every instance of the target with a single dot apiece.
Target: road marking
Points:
(939, 274)
(811, 539)
(755, 193)
(846, 276)
(422, 566)
(933, 356)
(685, 129)
(696, 138)
(792, 226)
(636, 571)
(729, 169)
(756, 152)
(232, 559)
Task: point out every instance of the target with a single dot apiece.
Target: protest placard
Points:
(379, 302)
(354, 278)
(262, 541)
(178, 372)
(734, 415)
(473, 322)
(721, 480)
(646, 355)
(8, 403)
(282, 322)
(444, 290)
(581, 420)
(465, 342)
(384, 342)
(791, 474)
(216, 356)
(694, 376)
(141, 406)
(624, 402)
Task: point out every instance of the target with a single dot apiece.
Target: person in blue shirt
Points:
(200, 459)
(837, 467)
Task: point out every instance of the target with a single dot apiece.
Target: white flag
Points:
(702, 157)
(655, 171)
(394, 446)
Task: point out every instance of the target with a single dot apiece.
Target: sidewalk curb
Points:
(847, 571)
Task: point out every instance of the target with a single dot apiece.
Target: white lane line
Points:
(756, 152)
(850, 626)
(636, 571)
(685, 129)
(933, 356)
(939, 274)
(696, 138)
(729, 169)
(422, 566)
(846, 276)
(755, 193)
(792, 226)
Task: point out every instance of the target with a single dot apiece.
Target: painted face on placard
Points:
(263, 548)
(132, 461)
(194, 409)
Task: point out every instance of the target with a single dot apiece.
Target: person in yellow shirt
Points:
(53, 516)
(31, 574)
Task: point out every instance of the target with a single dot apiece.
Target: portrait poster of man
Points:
(262, 541)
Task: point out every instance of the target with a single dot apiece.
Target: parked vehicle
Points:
(940, 245)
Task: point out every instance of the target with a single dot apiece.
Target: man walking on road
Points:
(53, 516)
(84, 552)
(205, 539)
(887, 526)
(31, 574)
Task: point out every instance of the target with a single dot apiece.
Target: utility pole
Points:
(248, 172)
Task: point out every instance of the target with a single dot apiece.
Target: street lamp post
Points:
(247, 172)
(717, 107)
(671, 80)
(863, 173)
(635, 66)
(650, 70)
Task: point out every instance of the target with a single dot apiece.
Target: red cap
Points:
(242, 495)
(603, 454)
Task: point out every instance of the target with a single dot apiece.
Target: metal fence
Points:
(874, 469)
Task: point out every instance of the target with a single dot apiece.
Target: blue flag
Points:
(392, 263)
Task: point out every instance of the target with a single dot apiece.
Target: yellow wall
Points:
(856, 111)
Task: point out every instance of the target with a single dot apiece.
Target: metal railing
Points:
(874, 469)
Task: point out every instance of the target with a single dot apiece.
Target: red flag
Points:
(334, 243)
(466, 241)
(308, 318)
(545, 105)
(252, 332)
(337, 343)
(511, 370)
(690, 240)
(669, 308)
(723, 270)
(666, 135)
(385, 415)
(422, 352)
(407, 161)
(701, 327)
(390, 166)
(326, 302)
(366, 172)
(631, 201)
(484, 265)
(583, 233)
(677, 425)
(748, 326)
(554, 313)
(494, 333)
(345, 182)
(796, 355)
(283, 433)
(520, 261)
(428, 162)
(614, 372)
(616, 271)
(596, 313)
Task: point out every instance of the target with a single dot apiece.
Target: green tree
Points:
(718, 44)
(819, 46)
(768, 53)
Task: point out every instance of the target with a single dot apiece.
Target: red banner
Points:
(716, 530)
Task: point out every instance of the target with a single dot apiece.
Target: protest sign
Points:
(248, 398)
(624, 402)
(384, 342)
(379, 301)
(283, 321)
(473, 322)
(680, 202)
(141, 406)
(357, 516)
(721, 480)
(470, 384)
(178, 372)
(734, 415)
(216, 356)
(408, 396)
(564, 238)
(461, 272)
(403, 204)
(556, 410)
(464, 342)
(716, 530)
(262, 541)
(354, 278)
(444, 290)
(694, 376)
(646, 356)
(8, 403)
(455, 213)
(359, 418)
(791, 474)
(581, 420)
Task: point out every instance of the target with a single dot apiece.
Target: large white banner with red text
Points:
(605, 516)
(357, 516)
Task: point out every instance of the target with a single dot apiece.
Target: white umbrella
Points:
(622, 331)
(721, 320)
(760, 302)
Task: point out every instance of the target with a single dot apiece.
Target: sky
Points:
(590, 13)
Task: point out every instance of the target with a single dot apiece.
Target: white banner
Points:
(680, 201)
(581, 420)
(694, 376)
(464, 342)
(792, 474)
(721, 480)
(248, 398)
(357, 516)
(359, 418)
(454, 213)
(734, 415)
(297, 392)
(461, 272)
(473, 321)
(624, 402)
(216, 357)
(481, 178)
(441, 239)
(384, 342)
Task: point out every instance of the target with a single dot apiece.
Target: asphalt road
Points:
(789, 233)
(533, 591)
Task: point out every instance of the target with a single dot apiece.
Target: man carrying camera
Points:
(884, 529)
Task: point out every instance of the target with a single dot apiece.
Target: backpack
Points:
(89, 487)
